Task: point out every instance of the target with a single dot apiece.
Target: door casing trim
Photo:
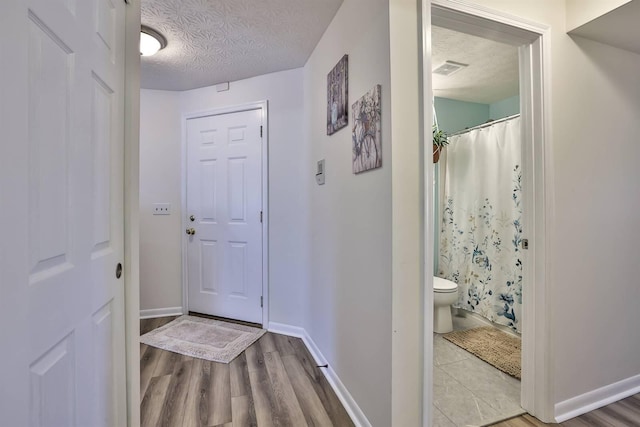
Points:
(132, 210)
(535, 77)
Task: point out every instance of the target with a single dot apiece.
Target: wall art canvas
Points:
(365, 131)
(338, 96)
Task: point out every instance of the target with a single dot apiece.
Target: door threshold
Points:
(226, 319)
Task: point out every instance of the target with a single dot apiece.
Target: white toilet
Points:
(445, 293)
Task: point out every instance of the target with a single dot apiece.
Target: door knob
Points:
(191, 231)
(118, 270)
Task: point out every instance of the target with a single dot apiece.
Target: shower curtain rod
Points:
(484, 125)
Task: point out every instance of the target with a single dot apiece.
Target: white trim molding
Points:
(284, 329)
(132, 210)
(428, 215)
(357, 416)
(161, 312)
(597, 398)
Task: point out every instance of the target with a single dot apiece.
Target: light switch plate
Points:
(320, 172)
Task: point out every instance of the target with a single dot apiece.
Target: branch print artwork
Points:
(365, 132)
(338, 96)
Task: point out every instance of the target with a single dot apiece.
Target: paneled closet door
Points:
(61, 216)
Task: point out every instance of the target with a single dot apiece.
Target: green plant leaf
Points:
(440, 138)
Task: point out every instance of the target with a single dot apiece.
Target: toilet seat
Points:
(444, 286)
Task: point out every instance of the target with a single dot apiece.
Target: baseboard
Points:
(290, 331)
(349, 403)
(595, 399)
(160, 312)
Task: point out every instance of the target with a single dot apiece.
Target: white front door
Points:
(224, 204)
(61, 216)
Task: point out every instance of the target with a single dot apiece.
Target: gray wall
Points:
(349, 311)
(161, 181)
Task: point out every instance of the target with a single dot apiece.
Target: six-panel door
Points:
(61, 169)
(224, 196)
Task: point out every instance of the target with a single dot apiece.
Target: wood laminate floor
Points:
(624, 413)
(275, 382)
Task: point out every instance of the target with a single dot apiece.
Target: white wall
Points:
(288, 170)
(350, 217)
(161, 140)
(409, 366)
(597, 200)
(160, 180)
(595, 105)
(579, 12)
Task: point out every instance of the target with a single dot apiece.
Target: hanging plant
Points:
(440, 140)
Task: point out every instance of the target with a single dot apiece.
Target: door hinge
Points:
(260, 131)
(260, 217)
(261, 301)
(525, 244)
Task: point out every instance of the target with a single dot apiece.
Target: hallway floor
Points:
(467, 390)
(623, 413)
(275, 382)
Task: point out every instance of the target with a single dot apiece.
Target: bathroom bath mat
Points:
(497, 348)
(207, 339)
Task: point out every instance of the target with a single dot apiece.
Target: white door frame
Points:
(263, 106)
(132, 210)
(537, 364)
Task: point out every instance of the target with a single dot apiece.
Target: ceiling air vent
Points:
(449, 67)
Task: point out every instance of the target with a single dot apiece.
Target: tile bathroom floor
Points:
(466, 390)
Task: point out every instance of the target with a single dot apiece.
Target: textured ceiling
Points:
(215, 41)
(492, 74)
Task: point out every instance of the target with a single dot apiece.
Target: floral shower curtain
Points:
(481, 211)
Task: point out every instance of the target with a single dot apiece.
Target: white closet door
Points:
(61, 216)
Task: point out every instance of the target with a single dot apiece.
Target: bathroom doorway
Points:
(477, 226)
(525, 39)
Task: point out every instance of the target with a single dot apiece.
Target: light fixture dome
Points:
(151, 41)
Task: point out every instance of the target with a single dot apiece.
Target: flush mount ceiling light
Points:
(151, 41)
